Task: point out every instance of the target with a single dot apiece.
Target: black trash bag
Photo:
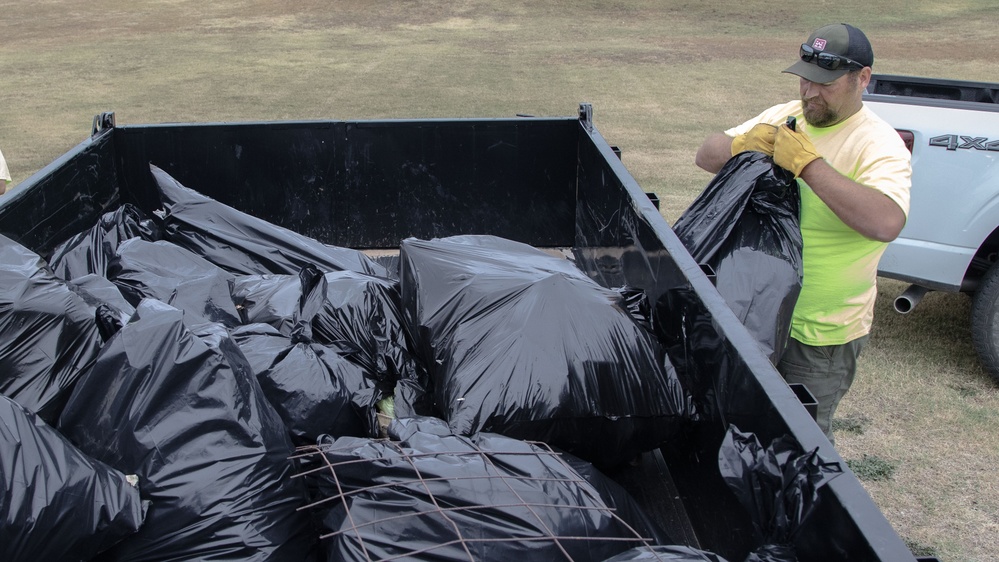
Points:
(166, 272)
(112, 310)
(104, 291)
(614, 494)
(426, 494)
(357, 311)
(666, 554)
(745, 226)
(636, 302)
(280, 300)
(688, 332)
(183, 411)
(356, 316)
(777, 485)
(48, 333)
(244, 244)
(90, 251)
(521, 343)
(57, 503)
(365, 312)
(270, 298)
(311, 386)
(409, 398)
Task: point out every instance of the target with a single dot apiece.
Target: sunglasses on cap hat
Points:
(828, 61)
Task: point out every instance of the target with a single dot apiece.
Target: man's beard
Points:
(818, 113)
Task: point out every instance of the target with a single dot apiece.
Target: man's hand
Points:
(793, 151)
(759, 139)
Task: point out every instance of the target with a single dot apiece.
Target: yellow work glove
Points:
(759, 139)
(793, 151)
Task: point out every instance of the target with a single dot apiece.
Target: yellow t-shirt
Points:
(4, 172)
(839, 278)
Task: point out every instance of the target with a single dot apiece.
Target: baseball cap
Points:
(827, 47)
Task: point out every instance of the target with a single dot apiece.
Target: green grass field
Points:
(920, 425)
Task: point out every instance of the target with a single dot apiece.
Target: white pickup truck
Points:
(951, 239)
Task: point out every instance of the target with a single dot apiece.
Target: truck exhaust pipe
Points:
(909, 298)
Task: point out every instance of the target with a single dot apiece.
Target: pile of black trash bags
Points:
(159, 371)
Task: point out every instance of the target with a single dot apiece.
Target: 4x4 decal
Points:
(954, 142)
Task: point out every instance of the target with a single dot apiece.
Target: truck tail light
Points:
(907, 137)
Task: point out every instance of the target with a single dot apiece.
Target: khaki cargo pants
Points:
(826, 371)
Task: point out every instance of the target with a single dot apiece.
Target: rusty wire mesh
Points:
(454, 535)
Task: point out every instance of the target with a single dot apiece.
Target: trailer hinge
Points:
(102, 122)
(586, 115)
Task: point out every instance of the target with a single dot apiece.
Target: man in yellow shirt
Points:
(854, 175)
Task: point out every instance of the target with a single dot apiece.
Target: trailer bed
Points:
(553, 183)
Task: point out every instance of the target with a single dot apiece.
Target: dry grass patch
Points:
(934, 417)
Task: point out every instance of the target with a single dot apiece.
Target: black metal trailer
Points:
(548, 182)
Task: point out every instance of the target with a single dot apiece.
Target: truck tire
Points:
(985, 322)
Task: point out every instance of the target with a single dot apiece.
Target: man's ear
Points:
(865, 77)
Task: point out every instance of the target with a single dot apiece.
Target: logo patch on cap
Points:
(819, 44)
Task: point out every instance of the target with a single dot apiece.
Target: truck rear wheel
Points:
(985, 322)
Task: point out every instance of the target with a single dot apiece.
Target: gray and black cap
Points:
(838, 39)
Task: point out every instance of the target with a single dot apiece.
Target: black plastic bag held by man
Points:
(745, 226)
